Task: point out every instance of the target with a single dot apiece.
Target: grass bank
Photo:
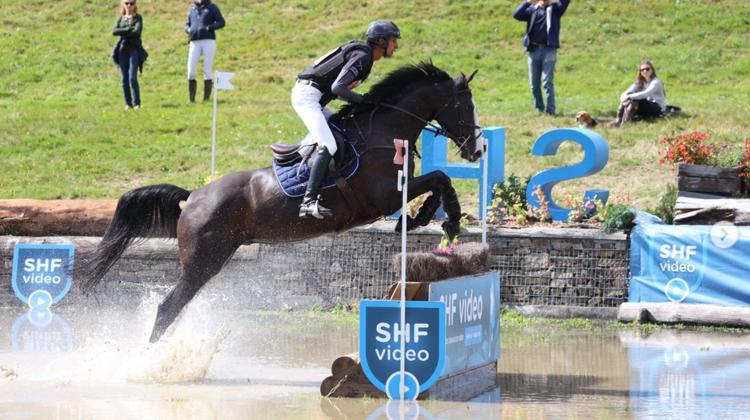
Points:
(64, 134)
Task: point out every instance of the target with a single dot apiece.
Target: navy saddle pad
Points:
(293, 179)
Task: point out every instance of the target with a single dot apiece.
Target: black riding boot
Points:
(207, 85)
(192, 87)
(311, 202)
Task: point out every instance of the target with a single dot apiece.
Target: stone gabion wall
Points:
(538, 266)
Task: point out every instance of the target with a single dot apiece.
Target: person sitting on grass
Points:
(645, 98)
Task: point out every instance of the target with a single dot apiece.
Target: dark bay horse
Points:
(211, 222)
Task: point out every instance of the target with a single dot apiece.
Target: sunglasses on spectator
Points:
(128, 3)
(646, 69)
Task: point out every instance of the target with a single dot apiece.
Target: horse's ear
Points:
(461, 81)
(472, 76)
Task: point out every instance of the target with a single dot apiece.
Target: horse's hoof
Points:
(451, 229)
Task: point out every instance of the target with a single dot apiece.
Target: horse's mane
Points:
(391, 89)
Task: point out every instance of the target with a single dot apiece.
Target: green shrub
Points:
(667, 200)
(619, 217)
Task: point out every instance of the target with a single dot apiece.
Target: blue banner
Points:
(380, 344)
(472, 319)
(690, 264)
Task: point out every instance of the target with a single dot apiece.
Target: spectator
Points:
(542, 40)
(645, 98)
(128, 52)
(204, 18)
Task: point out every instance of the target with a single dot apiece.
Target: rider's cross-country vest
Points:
(326, 69)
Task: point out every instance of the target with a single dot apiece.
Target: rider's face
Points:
(391, 47)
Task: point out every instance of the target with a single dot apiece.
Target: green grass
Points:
(64, 134)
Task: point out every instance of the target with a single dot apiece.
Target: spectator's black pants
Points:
(648, 109)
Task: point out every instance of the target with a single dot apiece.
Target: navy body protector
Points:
(326, 69)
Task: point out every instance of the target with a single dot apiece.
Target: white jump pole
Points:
(485, 176)
(403, 183)
(213, 134)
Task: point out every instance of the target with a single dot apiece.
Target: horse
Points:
(211, 222)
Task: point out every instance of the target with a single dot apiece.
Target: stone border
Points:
(539, 267)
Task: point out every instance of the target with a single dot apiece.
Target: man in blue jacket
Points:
(542, 40)
(204, 18)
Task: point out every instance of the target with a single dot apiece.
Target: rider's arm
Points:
(350, 73)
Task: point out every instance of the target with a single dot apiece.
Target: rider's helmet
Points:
(381, 29)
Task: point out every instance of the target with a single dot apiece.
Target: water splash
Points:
(176, 359)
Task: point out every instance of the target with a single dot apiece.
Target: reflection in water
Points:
(689, 374)
(270, 365)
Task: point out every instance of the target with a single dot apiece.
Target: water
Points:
(95, 363)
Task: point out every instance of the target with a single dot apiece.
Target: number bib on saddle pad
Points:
(293, 179)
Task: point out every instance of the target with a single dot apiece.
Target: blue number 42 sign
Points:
(42, 271)
(380, 338)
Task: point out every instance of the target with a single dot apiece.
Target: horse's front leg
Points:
(441, 187)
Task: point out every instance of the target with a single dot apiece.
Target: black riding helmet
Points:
(381, 29)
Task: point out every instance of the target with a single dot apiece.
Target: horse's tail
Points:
(141, 213)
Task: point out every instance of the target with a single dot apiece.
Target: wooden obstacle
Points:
(685, 313)
(710, 180)
(347, 377)
(707, 209)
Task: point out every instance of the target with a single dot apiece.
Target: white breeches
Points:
(206, 47)
(306, 102)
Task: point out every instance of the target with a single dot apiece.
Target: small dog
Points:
(585, 120)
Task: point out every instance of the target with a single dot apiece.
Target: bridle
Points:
(460, 141)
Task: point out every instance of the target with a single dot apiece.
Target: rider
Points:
(335, 75)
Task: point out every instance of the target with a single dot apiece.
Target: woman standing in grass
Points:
(645, 98)
(129, 53)
(204, 19)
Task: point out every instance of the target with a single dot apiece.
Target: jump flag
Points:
(223, 80)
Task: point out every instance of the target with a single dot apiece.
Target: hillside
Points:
(64, 134)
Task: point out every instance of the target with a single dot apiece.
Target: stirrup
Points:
(314, 209)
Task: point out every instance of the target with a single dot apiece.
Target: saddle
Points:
(292, 171)
(289, 154)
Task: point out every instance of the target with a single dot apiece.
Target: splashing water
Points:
(176, 359)
(117, 352)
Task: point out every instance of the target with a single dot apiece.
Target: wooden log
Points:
(55, 217)
(709, 209)
(349, 386)
(348, 363)
(674, 313)
(709, 179)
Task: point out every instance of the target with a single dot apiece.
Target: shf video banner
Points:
(690, 264)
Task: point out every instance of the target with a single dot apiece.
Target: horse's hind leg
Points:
(199, 265)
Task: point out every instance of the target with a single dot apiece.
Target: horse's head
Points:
(459, 121)
(423, 93)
